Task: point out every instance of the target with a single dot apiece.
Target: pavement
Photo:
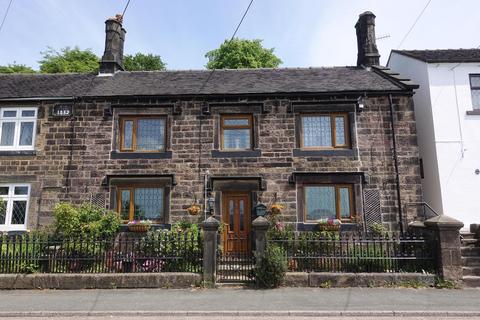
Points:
(223, 303)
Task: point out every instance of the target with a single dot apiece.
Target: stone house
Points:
(336, 142)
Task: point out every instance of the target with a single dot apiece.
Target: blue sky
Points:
(303, 32)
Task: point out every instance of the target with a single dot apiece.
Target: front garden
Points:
(85, 239)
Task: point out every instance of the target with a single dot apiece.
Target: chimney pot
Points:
(112, 59)
(367, 47)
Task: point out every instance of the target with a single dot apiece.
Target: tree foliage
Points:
(143, 62)
(242, 53)
(68, 60)
(16, 68)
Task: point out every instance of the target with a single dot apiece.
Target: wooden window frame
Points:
(333, 124)
(337, 187)
(134, 119)
(224, 127)
(131, 188)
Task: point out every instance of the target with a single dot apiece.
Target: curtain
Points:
(317, 131)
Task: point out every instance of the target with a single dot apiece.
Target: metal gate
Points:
(235, 260)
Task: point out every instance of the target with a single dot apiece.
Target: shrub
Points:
(172, 250)
(84, 220)
(269, 270)
(378, 229)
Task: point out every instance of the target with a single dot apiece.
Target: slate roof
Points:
(442, 55)
(222, 82)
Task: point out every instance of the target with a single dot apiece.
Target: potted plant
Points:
(139, 225)
(330, 224)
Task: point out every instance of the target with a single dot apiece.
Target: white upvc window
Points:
(14, 202)
(17, 128)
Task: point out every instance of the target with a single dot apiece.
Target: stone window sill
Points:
(17, 153)
(141, 155)
(236, 154)
(475, 112)
(325, 153)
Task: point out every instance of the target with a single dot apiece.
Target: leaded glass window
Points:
(324, 131)
(14, 200)
(328, 202)
(143, 134)
(141, 203)
(236, 132)
(475, 90)
(17, 128)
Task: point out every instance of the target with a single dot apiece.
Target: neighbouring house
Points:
(447, 110)
(337, 142)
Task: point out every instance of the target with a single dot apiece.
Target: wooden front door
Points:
(236, 222)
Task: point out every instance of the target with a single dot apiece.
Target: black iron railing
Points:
(235, 259)
(155, 252)
(356, 252)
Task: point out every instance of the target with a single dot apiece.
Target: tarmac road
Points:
(228, 302)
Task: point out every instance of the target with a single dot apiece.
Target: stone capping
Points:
(474, 112)
(99, 280)
(141, 155)
(326, 153)
(237, 154)
(326, 279)
(17, 153)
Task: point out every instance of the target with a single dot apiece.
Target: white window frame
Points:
(18, 121)
(10, 198)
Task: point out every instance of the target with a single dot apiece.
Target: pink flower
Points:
(279, 226)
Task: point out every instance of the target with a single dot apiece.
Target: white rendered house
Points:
(447, 111)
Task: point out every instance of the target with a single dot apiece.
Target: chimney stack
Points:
(112, 59)
(367, 47)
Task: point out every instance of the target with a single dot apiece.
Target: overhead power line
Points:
(6, 14)
(231, 38)
(414, 23)
(124, 10)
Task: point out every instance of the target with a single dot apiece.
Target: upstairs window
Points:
(328, 201)
(236, 132)
(14, 200)
(475, 90)
(141, 203)
(324, 131)
(142, 134)
(17, 128)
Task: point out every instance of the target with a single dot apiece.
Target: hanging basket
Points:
(194, 210)
(276, 208)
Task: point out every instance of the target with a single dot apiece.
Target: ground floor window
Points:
(14, 200)
(141, 203)
(328, 201)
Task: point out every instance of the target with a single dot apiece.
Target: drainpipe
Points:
(458, 110)
(395, 159)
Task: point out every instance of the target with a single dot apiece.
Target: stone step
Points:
(471, 281)
(469, 242)
(470, 251)
(471, 261)
(467, 235)
(471, 271)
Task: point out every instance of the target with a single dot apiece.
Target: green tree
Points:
(242, 53)
(143, 62)
(16, 68)
(68, 60)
